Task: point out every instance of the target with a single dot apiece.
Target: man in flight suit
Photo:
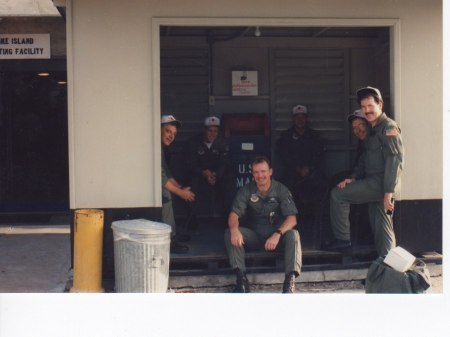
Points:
(374, 182)
(209, 164)
(169, 129)
(300, 151)
(271, 218)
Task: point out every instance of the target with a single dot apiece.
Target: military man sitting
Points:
(271, 219)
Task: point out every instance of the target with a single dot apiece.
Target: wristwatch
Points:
(279, 232)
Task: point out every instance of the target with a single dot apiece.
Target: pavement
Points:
(36, 259)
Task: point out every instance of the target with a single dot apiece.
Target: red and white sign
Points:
(244, 83)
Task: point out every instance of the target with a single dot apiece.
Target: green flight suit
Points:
(377, 173)
(264, 215)
(167, 207)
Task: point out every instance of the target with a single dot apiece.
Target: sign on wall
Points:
(24, 46)
(244, 83)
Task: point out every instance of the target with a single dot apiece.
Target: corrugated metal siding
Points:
(185, 86)
(314, 78)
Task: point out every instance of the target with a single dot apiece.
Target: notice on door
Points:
(24, 46)
(244, 83)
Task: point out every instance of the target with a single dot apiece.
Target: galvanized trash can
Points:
(141, 256)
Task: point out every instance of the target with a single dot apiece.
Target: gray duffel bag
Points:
(382, 279)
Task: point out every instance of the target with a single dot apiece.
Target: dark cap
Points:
(363, 92)
(169, 119)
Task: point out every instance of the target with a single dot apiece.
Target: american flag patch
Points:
(392, 132)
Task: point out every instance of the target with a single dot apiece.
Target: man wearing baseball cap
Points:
(169, 129)
(300, 151)
(208, 164)
(360, 129)
(377, 181)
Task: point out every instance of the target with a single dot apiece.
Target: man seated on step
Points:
(272, 217)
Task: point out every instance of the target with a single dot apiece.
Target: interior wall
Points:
(114, 119)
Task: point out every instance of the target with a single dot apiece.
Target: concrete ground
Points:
(36, 259)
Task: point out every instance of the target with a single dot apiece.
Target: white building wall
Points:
(113, 86)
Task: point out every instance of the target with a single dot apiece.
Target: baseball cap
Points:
(355, 114)
(368, 90)
(212, 121)
(299, 109)
(170, 119)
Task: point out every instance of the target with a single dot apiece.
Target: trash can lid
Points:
(141, 226)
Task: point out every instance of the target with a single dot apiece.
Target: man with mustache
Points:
(374, 181)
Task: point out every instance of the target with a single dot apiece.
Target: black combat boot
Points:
(289, 283)
(242, 284)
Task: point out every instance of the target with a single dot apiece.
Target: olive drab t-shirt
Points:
(270, 210)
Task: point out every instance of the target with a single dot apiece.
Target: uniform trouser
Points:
(255, 240)
(360, 192)
(224, 186)
(310, 189)
(168, 217)
(382, 228)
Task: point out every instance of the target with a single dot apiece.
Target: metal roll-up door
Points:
(185, 87)
(317, 79)
(184, 93)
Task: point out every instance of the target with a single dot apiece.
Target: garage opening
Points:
(318, 67)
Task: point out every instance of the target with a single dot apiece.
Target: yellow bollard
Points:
(88, 248)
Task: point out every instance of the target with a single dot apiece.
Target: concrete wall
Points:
(113, 68)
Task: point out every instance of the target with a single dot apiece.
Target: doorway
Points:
(34, 152)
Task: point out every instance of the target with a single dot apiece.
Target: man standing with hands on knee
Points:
(382, 166)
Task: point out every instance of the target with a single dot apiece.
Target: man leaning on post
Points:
(271, 214)
(169, 129)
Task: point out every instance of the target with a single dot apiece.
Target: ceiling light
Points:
(43, 74)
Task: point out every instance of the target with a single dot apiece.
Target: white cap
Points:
(299, 109)
(169, 119)
(212, 121)
(356, 114)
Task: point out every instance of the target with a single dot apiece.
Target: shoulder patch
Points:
(392, 132)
